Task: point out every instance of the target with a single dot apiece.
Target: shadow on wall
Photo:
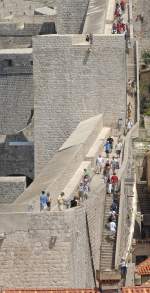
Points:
(86, 56)
(83, 21)
(137, 231)
(15, 137)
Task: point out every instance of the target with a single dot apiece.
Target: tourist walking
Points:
(99, 164)
(107, 148)
(111, 141)
(112, 226)
(60, 201)
(129, 124)
(48, 201)
(114, 181)
(123, 268)
(43, 200)
(108, 185)
(81, 191)
(118, 149)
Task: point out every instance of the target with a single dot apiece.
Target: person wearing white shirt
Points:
(112, 227)
(99, 164)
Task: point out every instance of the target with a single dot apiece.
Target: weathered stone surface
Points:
(72, 84)
(11, 188)
(50, 249)
(16, 99)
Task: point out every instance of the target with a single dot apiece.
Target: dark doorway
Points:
(48, 28)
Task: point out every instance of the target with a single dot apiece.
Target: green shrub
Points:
(147, 112)
(146, 57)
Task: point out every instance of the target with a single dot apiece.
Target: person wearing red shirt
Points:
(114, 182)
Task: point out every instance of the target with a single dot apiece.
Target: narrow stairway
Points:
(108, 246)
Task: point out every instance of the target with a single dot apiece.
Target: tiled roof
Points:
(136, 290)
(146, 284)
(144, 267)
(57, 290)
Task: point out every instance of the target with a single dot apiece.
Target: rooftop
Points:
(59, 290)
(136, 290)
(144, 267)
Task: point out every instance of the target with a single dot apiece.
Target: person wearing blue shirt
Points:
(107, 148)
(43, 200)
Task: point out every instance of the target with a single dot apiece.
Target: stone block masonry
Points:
(70, 13)
(11, 188)
(71, 16)
(72, 83)
(46, 250)
(16, 98)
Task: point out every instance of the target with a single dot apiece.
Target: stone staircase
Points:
(107, 246)
(107, 250)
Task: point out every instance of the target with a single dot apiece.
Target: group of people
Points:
(108, 167)
(119, 27)
(81, 194)
(112, 219)
(131, 88)
(45, 201)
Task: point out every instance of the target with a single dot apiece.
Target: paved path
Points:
(95, 20)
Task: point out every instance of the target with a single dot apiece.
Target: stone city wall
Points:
(49, 249)
(58, 172)
(71, 16)
(11, 188)
(16, 97)
(72, 84)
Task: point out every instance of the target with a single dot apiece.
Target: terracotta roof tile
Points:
(136, 290)
(144, 267)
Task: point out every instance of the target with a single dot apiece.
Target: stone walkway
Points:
(95, 19)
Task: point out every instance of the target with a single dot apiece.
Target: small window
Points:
(31, 62)
(8, 62)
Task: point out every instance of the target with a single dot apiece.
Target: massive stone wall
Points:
(47, 249)
(16, 98)
(71, 16)
(72, 83)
